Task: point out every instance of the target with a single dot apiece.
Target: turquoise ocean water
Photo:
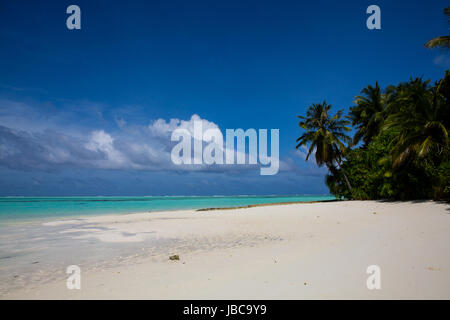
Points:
(26, 208)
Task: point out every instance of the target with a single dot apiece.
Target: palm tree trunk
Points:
(345, 176)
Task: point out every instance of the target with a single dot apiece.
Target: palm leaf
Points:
(439, 42)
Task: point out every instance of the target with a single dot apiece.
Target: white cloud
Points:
(164, 128)
(102, 142)
(45, 141)
(135, 148)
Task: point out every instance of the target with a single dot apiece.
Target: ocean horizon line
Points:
(172, 196)
(24, 208)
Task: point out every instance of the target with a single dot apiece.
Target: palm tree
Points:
(368, 114)
(421, 121)
(326, 136)
(443, 41)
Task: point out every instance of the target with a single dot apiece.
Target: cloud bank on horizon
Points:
(41, 143)
(135, 147)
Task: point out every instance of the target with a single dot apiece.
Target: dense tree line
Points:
(400, 147)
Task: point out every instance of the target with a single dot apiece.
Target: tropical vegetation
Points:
(400, 146)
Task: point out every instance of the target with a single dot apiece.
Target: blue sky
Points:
(235, 64)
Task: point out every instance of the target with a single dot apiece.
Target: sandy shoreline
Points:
(295, 251)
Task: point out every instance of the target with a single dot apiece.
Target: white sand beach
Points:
(296, 251)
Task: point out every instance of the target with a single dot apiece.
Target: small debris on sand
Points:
(174, 257)
(433, 269)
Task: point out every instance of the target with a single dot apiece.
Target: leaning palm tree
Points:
(326, 136)
(421, 122)
(368, 113)
(443, 41)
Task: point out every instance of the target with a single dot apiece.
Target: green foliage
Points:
(405, 150)
(368, 170)
(372, 175)
(420, 121)
(368, 114)
(326, 135)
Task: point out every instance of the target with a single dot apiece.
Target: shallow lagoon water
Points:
(26, 208)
